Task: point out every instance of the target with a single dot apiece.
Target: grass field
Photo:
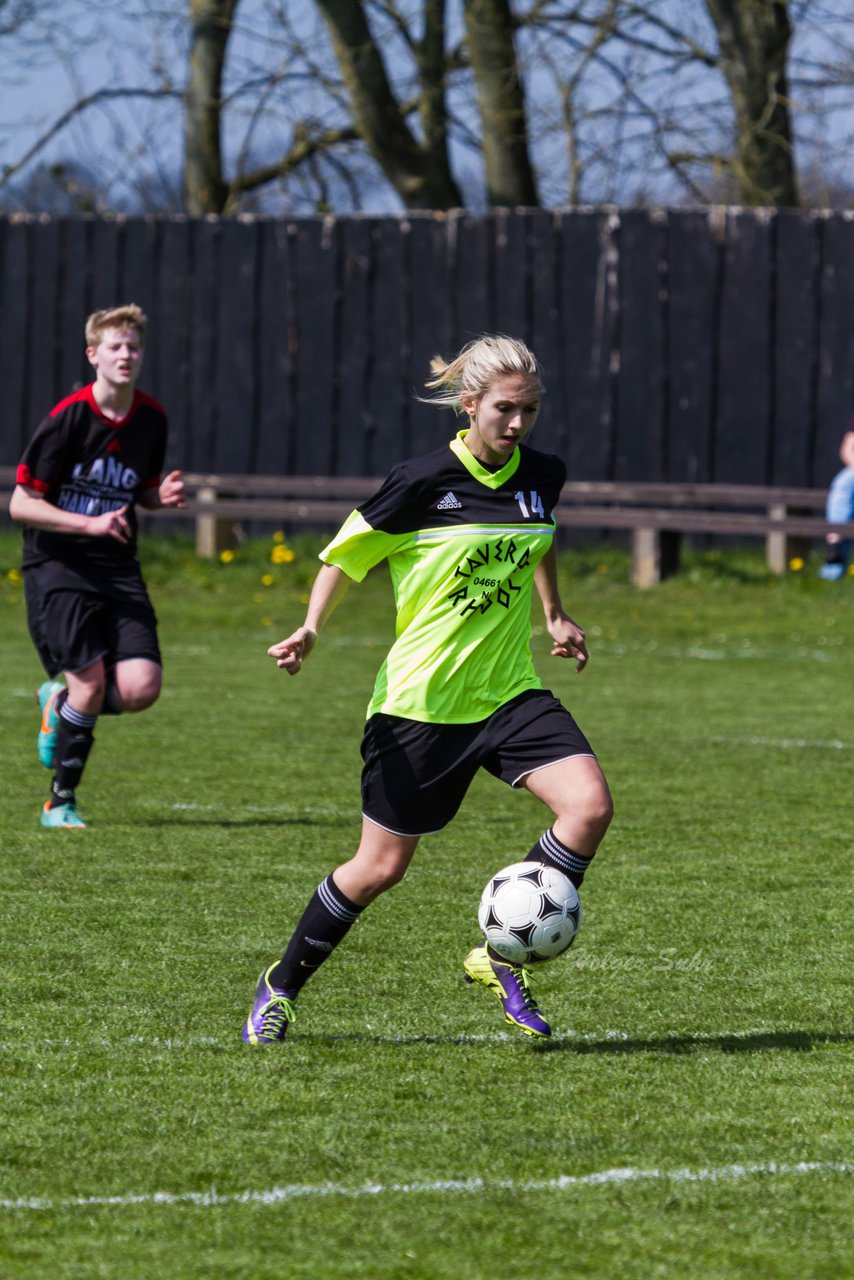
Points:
(692, 1114)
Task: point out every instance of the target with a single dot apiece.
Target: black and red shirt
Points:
(83, 461)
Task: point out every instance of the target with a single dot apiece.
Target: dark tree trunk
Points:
(501, 102)
(420, 175)
(754, 37)
(205, 189)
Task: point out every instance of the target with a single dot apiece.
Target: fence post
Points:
(213, 533)
(655, 555)
(780, 547)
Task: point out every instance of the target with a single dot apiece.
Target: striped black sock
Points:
(549, 850)
(75, 737)
(324, 923)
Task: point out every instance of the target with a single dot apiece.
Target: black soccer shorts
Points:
(416, 775)
(77, 616)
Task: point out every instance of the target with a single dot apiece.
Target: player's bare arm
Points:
(170, 493)
(567, 636)
(328, 591)
(28, 507)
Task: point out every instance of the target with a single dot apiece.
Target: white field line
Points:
(372, 1033)
(785, 744)
(454, 1186)
(647, 649)
(220, 1042)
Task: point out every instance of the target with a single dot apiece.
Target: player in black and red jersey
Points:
(97, 456)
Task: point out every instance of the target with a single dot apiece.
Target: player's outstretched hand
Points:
(291, 653)
(172, 490)
(568, 642)
(111, 524)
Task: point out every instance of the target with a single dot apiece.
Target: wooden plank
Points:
(17, 422)
(171, 336)
(136, 280)
(835, 382)
(588, 304)
(74, 303)
(626, 493)
(315, 274)
(277, 338)
(42, 367)
(742, 420)
(138, 252)
(794, 346)
(354, 423)
(203, 418)
(546, 328)
(107, 281)
(510, 279)
(236, 320)
(348, 487)
(430, 327)
(470, 269)
(640, 405)
(389, 399)
(736, 495)
(728, 522)
(693, 261)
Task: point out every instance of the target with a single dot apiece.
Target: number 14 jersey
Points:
(462, 543)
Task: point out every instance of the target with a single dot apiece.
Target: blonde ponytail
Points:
(480, 363)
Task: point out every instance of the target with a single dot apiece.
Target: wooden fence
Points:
(690, 346)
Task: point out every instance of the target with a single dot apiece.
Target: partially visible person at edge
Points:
(468, 531)
(840, 509)
(97, 456)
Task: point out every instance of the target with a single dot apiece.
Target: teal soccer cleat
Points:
(47, 695)
(64, 815)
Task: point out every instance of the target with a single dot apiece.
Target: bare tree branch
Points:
(78, 109)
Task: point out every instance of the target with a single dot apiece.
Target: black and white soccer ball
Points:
(529, 912)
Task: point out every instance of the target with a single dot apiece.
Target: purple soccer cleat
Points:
(271, 1014)
(510, 983)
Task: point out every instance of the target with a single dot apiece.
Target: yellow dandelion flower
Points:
(226, 556)
(282, 555)
(288, 555)
(796, 564)
(267, 580)
(14, 577)
(278, 536)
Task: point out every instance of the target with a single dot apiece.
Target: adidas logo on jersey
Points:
(448, 503)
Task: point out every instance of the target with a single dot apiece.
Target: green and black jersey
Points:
(462, 544)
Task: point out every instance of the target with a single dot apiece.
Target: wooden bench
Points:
(656, 516)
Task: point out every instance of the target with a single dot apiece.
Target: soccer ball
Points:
(529, 912)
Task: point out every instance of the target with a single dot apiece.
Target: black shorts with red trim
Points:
(416, 775)
(77, 615)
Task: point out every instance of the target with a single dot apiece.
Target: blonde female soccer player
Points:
(468, 532)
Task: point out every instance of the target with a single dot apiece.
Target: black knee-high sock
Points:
(549, 850)
(325, 921)
(74, 740)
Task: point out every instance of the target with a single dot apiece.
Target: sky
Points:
(80, 47)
